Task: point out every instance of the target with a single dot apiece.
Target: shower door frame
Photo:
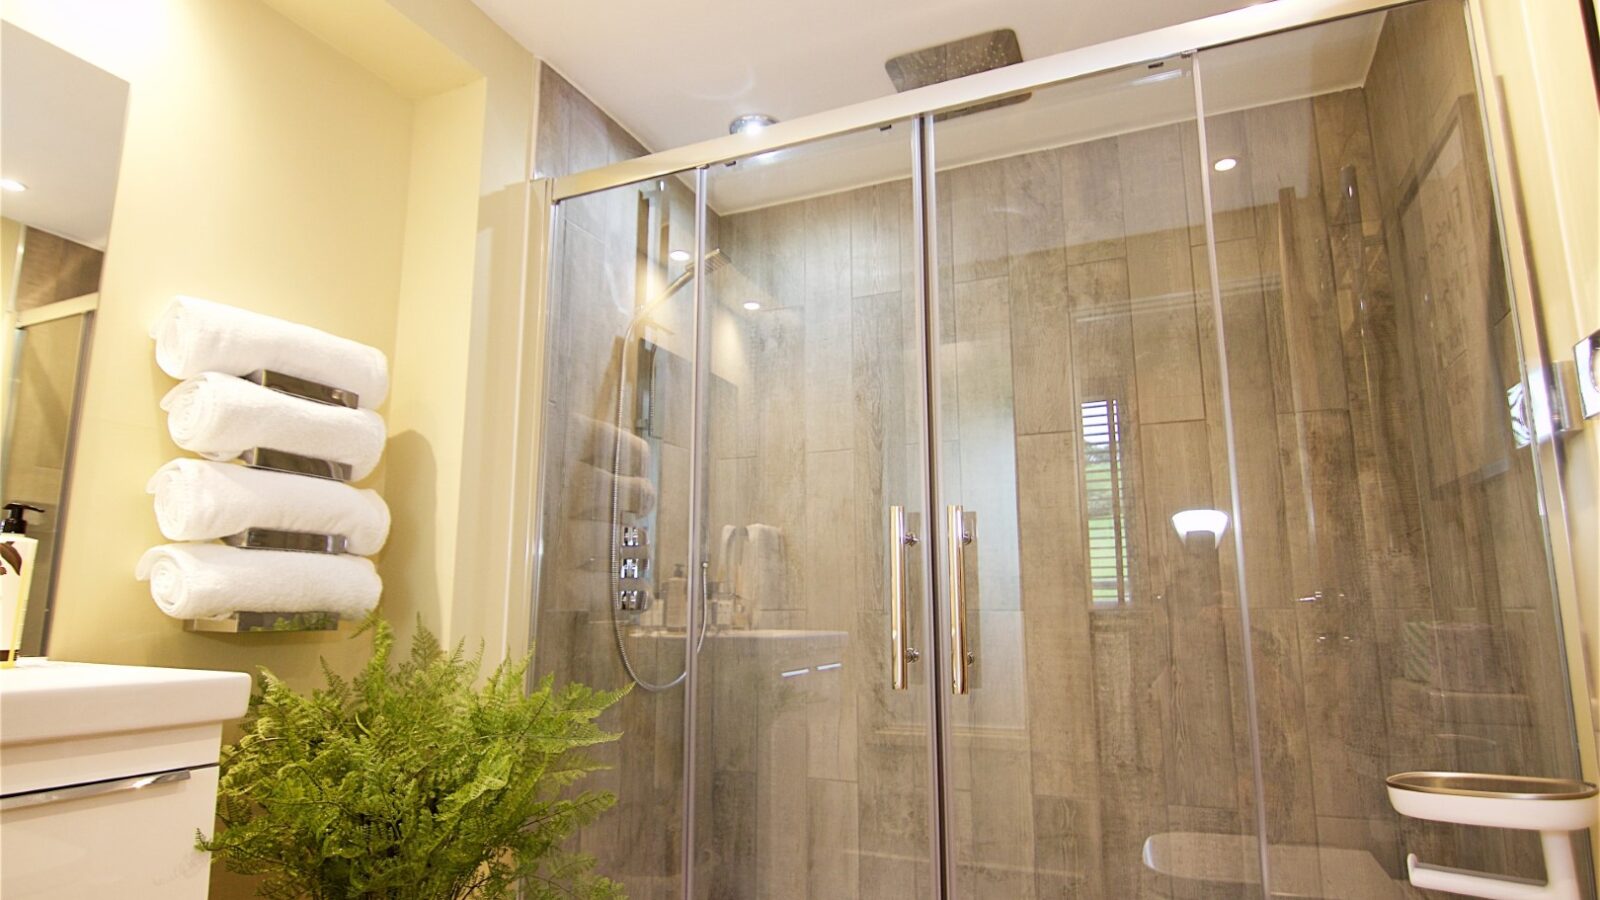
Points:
(919, 107)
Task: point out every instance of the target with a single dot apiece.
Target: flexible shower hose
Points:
(614, 576)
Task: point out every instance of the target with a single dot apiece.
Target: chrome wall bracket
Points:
(260, 622)
(1547, 403)
(295, 464)
(303, 388)
(1586, 362)
(299, 541)
(1566, 397)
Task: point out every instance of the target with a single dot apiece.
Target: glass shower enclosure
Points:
(1092, 495)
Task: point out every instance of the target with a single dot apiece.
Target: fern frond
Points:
(407, 782)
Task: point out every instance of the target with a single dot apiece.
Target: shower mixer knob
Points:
(633, 600)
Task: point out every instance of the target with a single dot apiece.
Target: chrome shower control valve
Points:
(631, 568)
(634, 536)
(633, 600)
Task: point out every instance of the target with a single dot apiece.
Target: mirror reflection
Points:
(61, 123)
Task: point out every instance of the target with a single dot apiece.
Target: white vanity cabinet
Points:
(106, 775)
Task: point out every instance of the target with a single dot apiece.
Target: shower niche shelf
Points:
(1554, 807)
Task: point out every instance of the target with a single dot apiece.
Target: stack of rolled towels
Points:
(218, 415)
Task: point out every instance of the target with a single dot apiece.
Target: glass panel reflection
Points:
(1402, 615)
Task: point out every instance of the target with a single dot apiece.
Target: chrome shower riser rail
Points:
(1201, 34)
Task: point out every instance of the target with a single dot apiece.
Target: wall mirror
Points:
(61, 126)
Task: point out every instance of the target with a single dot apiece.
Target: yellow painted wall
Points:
(1540, 65)
(260, 169)
(307, 161)
(457, 351)
(10, 234)
(312, 167)
(427, 412)
(479, 600)
(362, 168)
(1548, 148)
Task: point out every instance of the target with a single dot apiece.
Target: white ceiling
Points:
(677, 71)
(61, 123)
(1289, 65)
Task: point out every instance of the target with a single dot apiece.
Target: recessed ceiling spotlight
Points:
(750, 123)
(1225, 164)
(679, 256)
(752, 305)
(12, 186)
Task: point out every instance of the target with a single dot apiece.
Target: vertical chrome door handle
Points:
(900, 656)
(955, 577)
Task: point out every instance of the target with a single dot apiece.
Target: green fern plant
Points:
(409, 783)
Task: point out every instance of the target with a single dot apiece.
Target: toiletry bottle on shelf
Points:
(674, 596)
(17, 552)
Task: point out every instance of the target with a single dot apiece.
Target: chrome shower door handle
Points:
(957, 539)
(900, 656)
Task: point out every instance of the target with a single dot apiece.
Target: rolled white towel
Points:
(201, 581)
(730, 556)
(763, 578)
(194, 336)
(220, 416)
(200, 500)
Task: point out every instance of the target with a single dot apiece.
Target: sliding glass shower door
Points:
(1104, 490)
(1099, 709)
(1237, 509)
(811, 760)
(1397, 567)
(803, 729)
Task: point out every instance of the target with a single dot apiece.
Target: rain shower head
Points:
(714, 261)
(958, 59)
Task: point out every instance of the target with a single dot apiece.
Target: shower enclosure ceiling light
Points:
(751, 123)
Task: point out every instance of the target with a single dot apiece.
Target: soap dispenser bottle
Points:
(17, 552)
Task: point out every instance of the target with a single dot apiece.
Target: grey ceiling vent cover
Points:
(958, 59)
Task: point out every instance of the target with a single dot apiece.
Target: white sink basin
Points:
(106, 775)
(106, 718)
(44, 700)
